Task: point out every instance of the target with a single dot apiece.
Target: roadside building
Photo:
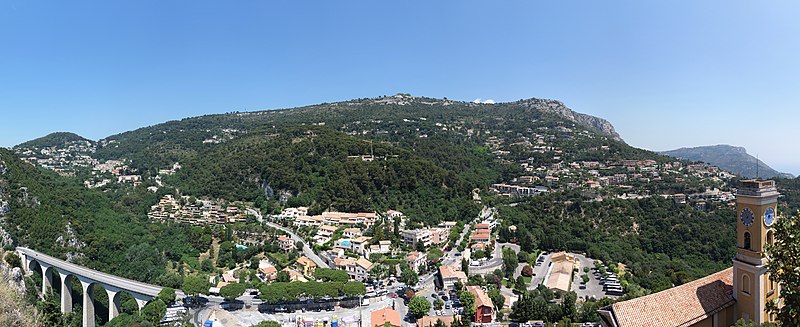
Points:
(285, 243)
(430, 321)
(484, 309)
(480, 236)
(450, 275)
(416, 259)
(386, 315)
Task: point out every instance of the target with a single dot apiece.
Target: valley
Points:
(373, 197)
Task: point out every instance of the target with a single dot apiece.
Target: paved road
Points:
(306, 249)
(496, 262)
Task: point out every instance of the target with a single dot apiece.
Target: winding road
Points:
(307, 251)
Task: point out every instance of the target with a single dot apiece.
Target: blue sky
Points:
(667, 74)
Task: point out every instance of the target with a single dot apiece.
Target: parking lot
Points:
(451, 301)
(592, 289)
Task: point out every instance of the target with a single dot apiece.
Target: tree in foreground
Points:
(468, 301)
(419, 306)
(231, 291)
(195, 285)
(267, 324)
(409, 277)
(784, 269)
(527, 271)
(154, 311)
(167, 295)
(438, 304)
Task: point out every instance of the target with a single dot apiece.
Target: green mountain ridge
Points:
(161, 144)
(730, 158)
(54, 139)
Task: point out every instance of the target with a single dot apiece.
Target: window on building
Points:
(770, 284)
(747, 240)
(745, 284)
(769, 238)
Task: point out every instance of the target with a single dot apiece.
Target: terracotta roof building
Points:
(484, 308)
(429, 321)
(707, 302)
(382, 316)
(561, 273)
(450, 276)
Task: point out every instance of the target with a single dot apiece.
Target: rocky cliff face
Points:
(558, 108)
(13, 309)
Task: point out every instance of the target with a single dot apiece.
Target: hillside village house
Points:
(414, 236)
(360, 244)
(351, 232)
(383, 247)
(415, 260)
(356, 269)
(305, 266)
(450, 275)
(285, 243)
(338, 219)
(294, 275)
(267, 274)
(484, 309)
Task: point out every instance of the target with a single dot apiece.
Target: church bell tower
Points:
(756, 212)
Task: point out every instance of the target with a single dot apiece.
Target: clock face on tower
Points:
(747, 216)
(769, 216)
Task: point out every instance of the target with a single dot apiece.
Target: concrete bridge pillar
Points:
(113, 303)
(47, 278)
(141, 302)
(88, 304)
(26, 270)
(66, 293)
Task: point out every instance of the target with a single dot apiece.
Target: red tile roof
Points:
(481, 298)
(382, 316)
(682, 305)
(428, 321)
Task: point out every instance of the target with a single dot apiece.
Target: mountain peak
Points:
(728, 157)
(52, 140)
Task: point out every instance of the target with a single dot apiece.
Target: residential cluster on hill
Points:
(187, 209)
(64, 157)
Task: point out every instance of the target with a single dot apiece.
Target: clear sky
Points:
(667, 74)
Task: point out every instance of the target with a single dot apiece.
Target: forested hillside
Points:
(105, 231)
(662, 243)
(313, 166)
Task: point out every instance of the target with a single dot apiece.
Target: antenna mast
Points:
(757, 166)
